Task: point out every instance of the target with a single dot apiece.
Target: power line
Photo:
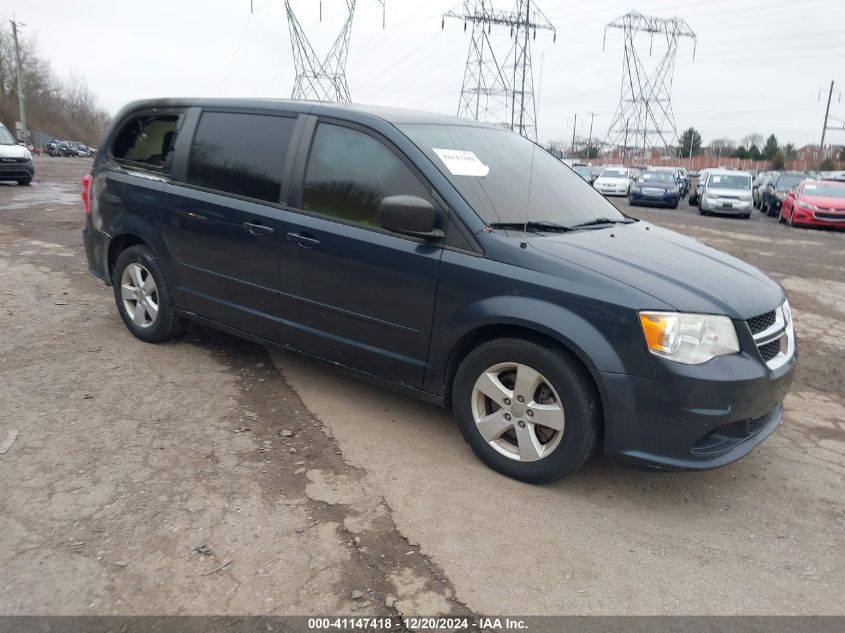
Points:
(645, 102)
(322, 79)
(500, 89)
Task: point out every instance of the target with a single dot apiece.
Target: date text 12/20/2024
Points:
(416, 623)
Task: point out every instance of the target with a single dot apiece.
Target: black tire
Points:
(24, 181)
(763, 207)
(578, 398)
(675, 206)
(770, 211)
(746, 216)
(630, 201)
(166, 325)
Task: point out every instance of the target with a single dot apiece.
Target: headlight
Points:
(691, 339)
(809, 207)
(27, 155)
(712, 195)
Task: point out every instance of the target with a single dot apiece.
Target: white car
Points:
(613, 181)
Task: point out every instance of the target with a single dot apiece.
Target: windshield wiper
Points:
(600, 222)
(531, 225)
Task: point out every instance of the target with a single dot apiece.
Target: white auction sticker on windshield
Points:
(717, 179)
(462, 163)
(809, 187)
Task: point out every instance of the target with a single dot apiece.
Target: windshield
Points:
(824, 190)
(657, 176)
(492, 169)
(786, 183)
(721, 181)
(5, 137)
(584, 172)
(614, 173)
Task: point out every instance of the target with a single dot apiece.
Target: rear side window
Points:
(148, 140)
(349, 173)
(242, 154)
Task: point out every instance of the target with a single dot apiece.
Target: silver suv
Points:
(727, 192)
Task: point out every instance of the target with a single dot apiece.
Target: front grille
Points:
(769, 350)
(762, 322)
(821, 215)
(12, 160)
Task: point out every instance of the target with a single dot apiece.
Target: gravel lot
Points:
(209, 476)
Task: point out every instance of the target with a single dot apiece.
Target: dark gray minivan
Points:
(449, 260)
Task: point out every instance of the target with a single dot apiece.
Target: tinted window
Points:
(350, 172)
(241, 154)
(146, 139)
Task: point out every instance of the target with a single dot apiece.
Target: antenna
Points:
(645, 102)
(322, 79)
(498, 88)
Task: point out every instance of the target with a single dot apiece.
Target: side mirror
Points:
(791, 194)
(409, 215)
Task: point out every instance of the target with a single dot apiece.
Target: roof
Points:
(396, 116)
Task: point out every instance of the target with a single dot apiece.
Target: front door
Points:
(356, 294)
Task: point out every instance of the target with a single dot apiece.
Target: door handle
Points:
(258, 229)
(304, 241)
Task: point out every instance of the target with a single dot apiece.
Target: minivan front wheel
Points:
(143, 297)
(527, 410)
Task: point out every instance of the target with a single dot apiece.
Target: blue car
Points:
(655, 189)
(452, 261)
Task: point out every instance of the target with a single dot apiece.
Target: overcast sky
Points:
(759, 64)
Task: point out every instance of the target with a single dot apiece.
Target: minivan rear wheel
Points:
(143, 296)
(527, 410)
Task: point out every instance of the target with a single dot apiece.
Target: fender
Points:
(587, 339)
(129, 224)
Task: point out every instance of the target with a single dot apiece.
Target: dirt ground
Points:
(210, 476)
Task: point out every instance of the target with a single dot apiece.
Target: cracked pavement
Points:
(210, 476)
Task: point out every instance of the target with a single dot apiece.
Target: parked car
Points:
(613, 181)
(655, 189)
(726, 192)
(815, 203)
(65, 148)
(585, 171)
(695, 196)
(403, 248)
(15, 160)
(81, 149)
(772, 196)
(678, 176)
(758, 186)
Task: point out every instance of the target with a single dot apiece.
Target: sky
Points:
(759, 66)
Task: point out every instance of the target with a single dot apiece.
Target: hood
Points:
(825, 203)
(13, 151)
(673, 268)
(729, 192)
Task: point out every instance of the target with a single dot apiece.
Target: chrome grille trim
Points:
(783, 330)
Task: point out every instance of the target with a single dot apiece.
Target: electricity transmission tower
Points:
(644, 118)
(321, 79)
(499, 89)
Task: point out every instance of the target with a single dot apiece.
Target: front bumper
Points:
(612, 190)
(16, 170)
(665, 200)
(805, 217)
(693, 417)
(727, 207)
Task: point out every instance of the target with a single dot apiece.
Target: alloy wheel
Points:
(518, 412)
(140, 295)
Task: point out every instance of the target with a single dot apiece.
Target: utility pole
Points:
(574, 123)
(21, 98)
(826, 115)
(590, 138)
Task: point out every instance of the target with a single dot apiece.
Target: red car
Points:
(815, 203)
